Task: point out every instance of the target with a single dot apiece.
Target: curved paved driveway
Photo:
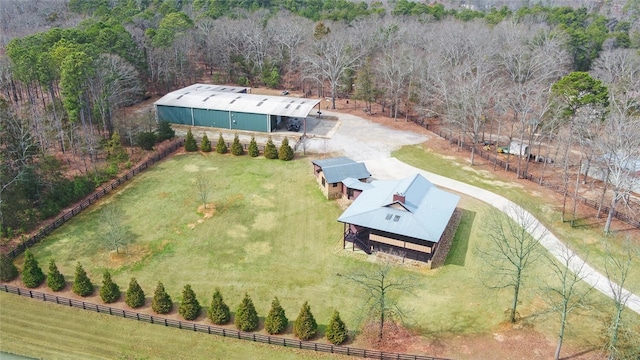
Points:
(372, 143)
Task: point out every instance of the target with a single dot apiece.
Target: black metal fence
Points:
(214, 330)
(491, 156)
(97, 194)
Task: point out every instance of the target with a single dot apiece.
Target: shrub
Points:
(253, 148)
(336, 331)
(81, 283)
(161, 303)
(8, 270)
(285, 152)
(236, 147)
(221, 146)
(205, 144)
(32, 275)
(134, 296)
(276, 321)
(270, 151)
(218, 311)
(165, 132)
(146, 140)
(109, 292)
(246, 318)
(55, 279)
(190, 142)
(189, 306)
(305, 326)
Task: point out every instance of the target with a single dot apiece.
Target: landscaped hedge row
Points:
(245, 319)
(285, 152)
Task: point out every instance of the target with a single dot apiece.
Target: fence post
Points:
(30, 294)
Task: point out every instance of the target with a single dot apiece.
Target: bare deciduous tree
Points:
(203, 187)
(514, 246)
(381, 291)
(114, 232)
(569, 292)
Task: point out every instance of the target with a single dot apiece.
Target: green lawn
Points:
(588, 241)
(272, 234)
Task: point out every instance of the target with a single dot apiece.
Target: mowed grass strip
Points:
(588, 241)
(49, 331)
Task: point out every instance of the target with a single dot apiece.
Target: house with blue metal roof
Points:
(407, 217)
(341, 177)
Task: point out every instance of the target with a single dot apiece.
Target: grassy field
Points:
(50, 331)
(588, 241)
(271, 233)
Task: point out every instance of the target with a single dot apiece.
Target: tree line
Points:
(477, 72)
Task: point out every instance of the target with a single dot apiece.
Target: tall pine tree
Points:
(161, 303)
(276, 321)
(285, 152)
(189, 306)
(305, 326)
(205, 144)
(270, 150)
(253, 148)
(81, 283)
(110, 291)
(32, 275)
(55, 279)
(246, 318)
(190, 143)
(218, 311)
(134, 296)
(221, 146)
(236, 147)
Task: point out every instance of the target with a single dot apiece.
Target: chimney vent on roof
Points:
(398, 197)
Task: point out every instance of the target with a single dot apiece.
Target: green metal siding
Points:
(274, 122)
(249, 121)
(211, 118)
(174, 115)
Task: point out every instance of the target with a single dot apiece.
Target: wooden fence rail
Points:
(214, 330)
(626, 218)
(95, 196)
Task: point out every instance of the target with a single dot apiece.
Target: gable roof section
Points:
(230, 98)
(356, 184)
(340, 168)
(424, 215)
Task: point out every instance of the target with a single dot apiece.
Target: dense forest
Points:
(69, 70)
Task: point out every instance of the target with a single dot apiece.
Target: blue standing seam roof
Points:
(340, 168)
(424, 215)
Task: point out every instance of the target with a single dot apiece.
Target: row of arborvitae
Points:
(285, 152)
(245, 319)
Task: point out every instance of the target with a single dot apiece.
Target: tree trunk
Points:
(563, 322)
(614, 201)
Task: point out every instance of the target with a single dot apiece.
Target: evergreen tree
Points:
(276, 321)
(110, 291)
(246, 318)
(8, 270)
(218, 311)
(270, 151)
(285, 152)
(253, 148)
(146, 140)
(205, 145)
(134, 296)
(55, 279)
(32, 275)
(165, 132)
(221, 146)
(236, 147)
(82, 284)
(336, 331)
(190, 143)
(189, 306)
(305, 326)
(161, 303)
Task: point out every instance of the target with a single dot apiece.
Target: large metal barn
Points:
(230, 107)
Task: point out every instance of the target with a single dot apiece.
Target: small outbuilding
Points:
(340, 177)
(407, 217)
(230, 107)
